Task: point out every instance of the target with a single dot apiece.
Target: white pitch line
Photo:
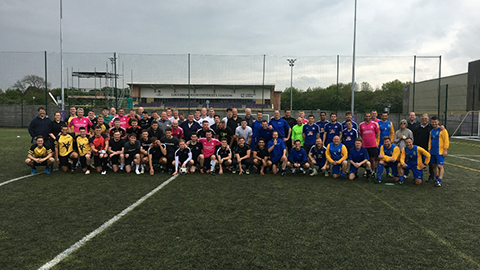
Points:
(474, 160)
(18, 178)
(103, 227)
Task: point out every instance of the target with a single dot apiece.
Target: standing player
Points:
(64, 150)
(317, 156)
(266, 132)
(197, 150)
(183, 155)
(242, 157)
(156, 154)
(209, 145)
(337, 155)
(117, 127)
(297, 158)
(297, 132)
(370, 133)
(225, 132)
(79, 121)
(123, 119)
(131, 152)
(322, 123)
(412, 158)
(278, 153)
(39, 155)
(205, 127)
(99, 145)
(172, 145)
(349, 135)
(115, 151)
(83, 149)
(374, 116)
(101, 124)
(224, 156)
(244, 131)
(348, 116)
(358, 157)
(177, 131)
(311, 132)
(155, 131)
(261, 156)
(256, 127)
(332, 129)
(389, 155)
(134, 128)
(281, 126)
(438, 147)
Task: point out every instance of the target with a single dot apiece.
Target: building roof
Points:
(93, 74)
(203, 86)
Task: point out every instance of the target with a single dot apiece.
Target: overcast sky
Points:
(281, 27)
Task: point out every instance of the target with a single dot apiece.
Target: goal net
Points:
(469, 127)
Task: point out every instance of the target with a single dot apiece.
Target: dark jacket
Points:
(187, 131)
(39, 126)
(421, 136)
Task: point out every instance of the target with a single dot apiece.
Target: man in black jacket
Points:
(421, 135)
(40, 125)
(189, 127)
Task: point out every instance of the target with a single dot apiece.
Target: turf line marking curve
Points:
(19, 178)
(469, 159)
(463, 167)
(103, 227)
(430, 232)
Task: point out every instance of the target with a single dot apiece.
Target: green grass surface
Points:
(240, 222)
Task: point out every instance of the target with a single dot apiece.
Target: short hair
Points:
(286, 110)
(205, 121)
(333, 113)
(387, 138)
(100, 116)
(116, 120)
(132, 109)
(348, 112)
(229, 109)
(264, 121)
(57, 112)
(244, 120)
(260, 139)
(98, 127)
(358, 140)
(196, 134)
(154, 123)
(116, 131)
(384, 112)
(40, 108)
(311, 115)
(168, 129)
(81, 128)
(144, 112)
(408, 138)
(154, 111)
(132, 135)
(80, 109)
(39, 137)
(348, 121)
(216, 115)
(434, 118)
(208, 131)
(134, 120)
(275, 131)
(181, 140)
(404, 121)
(241, 138)
(224, 139)
(144, 130)
(298, 141)
(65, 125)
(105, 108)
(323, 113)
(222, 122)
(153, 139)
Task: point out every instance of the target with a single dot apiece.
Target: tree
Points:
(30, 81)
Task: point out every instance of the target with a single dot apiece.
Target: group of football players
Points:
(206, 143)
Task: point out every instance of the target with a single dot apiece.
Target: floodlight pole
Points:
(353, 61)
(291, 64)
(61, 58)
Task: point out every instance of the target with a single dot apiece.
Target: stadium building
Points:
(204, 95)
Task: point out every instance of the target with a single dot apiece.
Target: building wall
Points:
(426, 95)
(474, 86)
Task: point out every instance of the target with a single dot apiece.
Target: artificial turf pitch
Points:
(238, 222)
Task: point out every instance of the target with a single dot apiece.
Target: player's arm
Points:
(392, 132)
(255, 155)
(56, 151)
(163, 149)
(402, 157)
(344, 154)
(424, 153)
(270, 149)
(445, 141)
(328, 155)
(429, 141)
(396, 153)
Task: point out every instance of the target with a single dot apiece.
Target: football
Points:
(183, 170)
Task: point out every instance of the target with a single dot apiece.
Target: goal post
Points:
(469, 127)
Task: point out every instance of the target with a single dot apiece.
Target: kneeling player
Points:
(131, 152)
(183, 155)
(297, 159)
(99, 145)
(389, 154)
(261, 156)
(242, 157)
(358, 157)
(64, 151)
(337, 154)
(115, 151)
(278, 153)
(144, 145)
(209, 144)
(197, 156)
(317, 157)
(411, 158)
(39, 155)
(84, 149)
(157, 154)
(224, 155)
